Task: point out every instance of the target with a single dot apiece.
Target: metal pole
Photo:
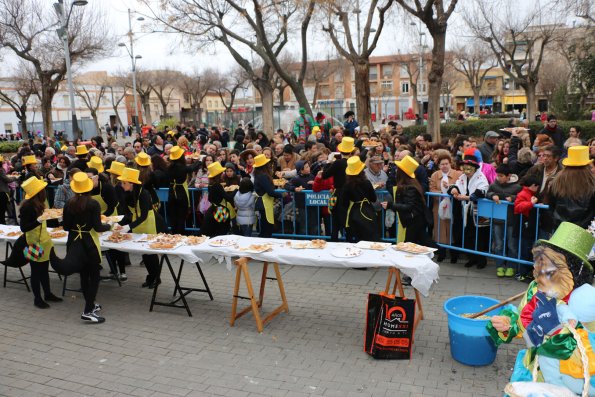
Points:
(421, 99)
(133, 60)
(75, 127)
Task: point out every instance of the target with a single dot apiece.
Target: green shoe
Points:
(500, 272)
(509, 272)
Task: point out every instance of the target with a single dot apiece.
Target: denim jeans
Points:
(498, 242)
(246, 230)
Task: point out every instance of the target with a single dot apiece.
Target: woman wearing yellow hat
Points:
(144, 165)
(572, 191)
(358, 196)
(179, 199)
(36, 234)
(30, 168)
(82, 157)
(409, 203)
(139, 217)
(217, 218)
(82, 221)
(120, 258)
(265, 190)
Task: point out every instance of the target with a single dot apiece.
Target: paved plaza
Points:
(315, 349)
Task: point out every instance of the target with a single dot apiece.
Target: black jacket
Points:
(580, 212)
(108, 194)
(89, 219)
(410, 206)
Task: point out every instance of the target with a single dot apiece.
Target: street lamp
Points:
(63, 35)
(133, 59)
(421, 64)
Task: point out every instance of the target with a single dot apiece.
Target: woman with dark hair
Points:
(230, 176)
(218, 217)
(103, 192)
(265, 190)
(409, 203)
(36, 233)
(139, 217)
(82, 221)
(58, 173)
(30, 168)
(179, 198)
(358, 196)
(262, 139)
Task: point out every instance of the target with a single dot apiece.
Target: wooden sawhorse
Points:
(393, 271)
(256, 305)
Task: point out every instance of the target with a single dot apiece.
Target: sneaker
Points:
(97, 308)
(123, 277)
(92, 318)
(500, 272)
(509, 272)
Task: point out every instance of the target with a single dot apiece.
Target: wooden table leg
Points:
(236, 291)
(398, 285)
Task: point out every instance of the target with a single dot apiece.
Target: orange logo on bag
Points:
(389, 314)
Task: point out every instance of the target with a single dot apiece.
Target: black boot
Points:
(40, 303)
(52, 298)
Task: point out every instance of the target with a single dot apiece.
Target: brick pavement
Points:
(315, 349)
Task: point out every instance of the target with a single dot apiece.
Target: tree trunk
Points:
(362, 91)
(266, 91)
(475, 100)
(23, 120)
(530, 93)
(315, 95)
(119, 120)
(435, 80)
(415, 99)
(164, 107)
(281, 98)
(147, 109)
(94, 116)
(46, 114)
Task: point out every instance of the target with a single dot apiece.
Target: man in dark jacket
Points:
(487, 147)
(552, 130)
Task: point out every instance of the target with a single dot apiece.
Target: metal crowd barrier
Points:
(305, 220)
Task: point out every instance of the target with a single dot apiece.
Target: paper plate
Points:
(219, 242)
(370, 245)
(346, 252)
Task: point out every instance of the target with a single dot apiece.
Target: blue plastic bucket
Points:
(470, 343)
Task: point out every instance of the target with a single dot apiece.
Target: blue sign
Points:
(319, 199)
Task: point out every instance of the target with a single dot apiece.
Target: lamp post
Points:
(63, 35)
(419, 78)
(133, 59)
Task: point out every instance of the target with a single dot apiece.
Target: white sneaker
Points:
(92, 318)
(123, 277)
(97, 308)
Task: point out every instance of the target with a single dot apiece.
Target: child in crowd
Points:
(505, 188)
(308, 215)
(244, 201)
(523, 206)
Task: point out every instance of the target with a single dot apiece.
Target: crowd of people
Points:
(253, 184)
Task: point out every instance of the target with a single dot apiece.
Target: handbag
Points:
(33, 252)
(221, 214)
(332, 200)
(445, 209)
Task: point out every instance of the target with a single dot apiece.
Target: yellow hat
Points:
(96, 163)
(81, 183)
(116, 168)
(578, 156)
(81, 150)
(171, 132)
(175, 153)
(315, 129)
(260, 160)
(1, 158)
(29, 160)
(32, 186)
(347, 145)
(354, 165)
(64, 148)
(130, 175)
(408, 165)
(143, 159)
(215, 169)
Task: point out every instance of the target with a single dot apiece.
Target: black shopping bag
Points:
(16, 257)
(389, 326)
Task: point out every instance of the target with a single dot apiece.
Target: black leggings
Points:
(177, 212)
(266, 228)
(3, 206)
(40, 276)
(152, 265)
(121, 259)
(90, 285)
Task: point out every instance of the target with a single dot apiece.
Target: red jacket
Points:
(522, 203)
(323, 184)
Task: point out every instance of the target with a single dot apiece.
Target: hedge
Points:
(480, 127)
(10, 146)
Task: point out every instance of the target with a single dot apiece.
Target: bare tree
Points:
(338, 26)
(143, 89)
(228, 85)
(580, 8)
(196, 86)
(554, 74)
(450, 82)
(91, 95)
(319, 73)
(474, 61)
(118, 90)
(23, 88)
(164, 82)
(434, 14)
(517, 40)
(27, 28)
(411, 67)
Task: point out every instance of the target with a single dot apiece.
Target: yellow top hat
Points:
(354, 165)
(175, 153)
(171, 132)
(408, 165)
(578, 156)
(81, 183)
(315, 129)
(116, 168)
(215, 169)
(29, 160)
(260, 160)
(64, 148)
(96, 163)
(143, 159)
(347, 145)
(32, 186)
(130, 175)
(81, 150)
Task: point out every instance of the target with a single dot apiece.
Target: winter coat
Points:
(509, 189)
(580, 212)
(474, 187)
(299, 181)
(522, 203)
(245, 208)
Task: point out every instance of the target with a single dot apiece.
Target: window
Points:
(387, 71)
(387, 85)
(352, 73)
(405, 87)
(373, 73)
(66, 100)
(339, 92)
(8, 128)
(210, 104)
(404, 70)
(423, 87)
(339, 76)
(324, 91)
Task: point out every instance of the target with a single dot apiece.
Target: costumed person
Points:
(409, 203)
(324, 124)
(179, 198)
(121, 259)
(470, 187)
(561, 265)
(38, 240)
(265, 190)
(302, 126)
(218, 217)
(350, 123)
(82, 221)
(336, 170)
(571, 195)
(358, 195)
(139, 217)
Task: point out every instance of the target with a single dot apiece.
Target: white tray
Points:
(219, 242)
(370, 245)
(346, 252)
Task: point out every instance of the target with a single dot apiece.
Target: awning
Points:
(486, 101)
(515, 100)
